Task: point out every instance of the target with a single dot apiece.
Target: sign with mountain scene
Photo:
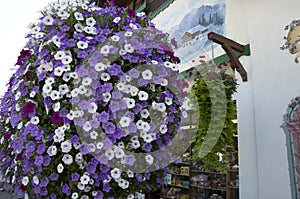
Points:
(188, 22)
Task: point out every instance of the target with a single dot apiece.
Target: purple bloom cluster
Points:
(95, 94)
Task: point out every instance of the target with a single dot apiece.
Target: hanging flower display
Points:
(92, 107)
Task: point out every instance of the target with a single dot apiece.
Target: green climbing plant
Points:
(208, 95)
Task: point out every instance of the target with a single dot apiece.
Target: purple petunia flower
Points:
(134, 73)
(56, 119)
(38, 160)
(130, 159)
(114, 106)
(41, 148)
(74, 139)
(106, 188)
(53, 177)
(66, 190)
(109, 127)
(91, 167)
(75, 177)
(28, 108)
(114, 70)
(139, 177)
(30, 147)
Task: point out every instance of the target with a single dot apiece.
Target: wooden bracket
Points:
(229, 45)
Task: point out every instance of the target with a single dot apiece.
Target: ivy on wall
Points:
(207, 91)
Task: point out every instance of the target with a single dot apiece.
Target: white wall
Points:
(262, 101)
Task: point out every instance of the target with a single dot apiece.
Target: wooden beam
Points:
(229, 45)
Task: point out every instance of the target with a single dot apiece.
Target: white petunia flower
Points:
(74, 195)
(115, 173)
(78, 27)
(130, 174)
(60, 168)
(109, 154)
(148, 138)
(49, 80)
(67, 159)
(145, 113)
(128, 33)
(63, 14)
(66, 60)
(149, 159)
(143, 96)
(115, 38)
(135, 144)
(105, 77)
(106, 96)
(164, 82)
(52, 150)
(140, 14)
(66, 77)
(130, 196)
(99, 145)
(54, 95)
(48, 20)
(87, 81)
(134, 91)
(129, 102)
(87, 126)
(133, 26)
(66, 68)
(74, 75)
(94, 135)
(122, 52)
(63, 89)
(105, 50)
(58, 71)
(145, 127)
(32, 94)
(85, 179)
(147, 74)
(35, 120)
(161, 107)
(119, 153)
(80, 186)
(90, 30)
(82, 90)
(82, 44)
(70, 115)
(36, 180)
(66, 146)
(47, 88)
(59, 55)
(75, 92)
(90, 21)
(100, 67)
(56, 40)
(168, 101)
(125, 121)
(25, 180)
(121, 86)
(163, 128)
(129, 48)
(117, 19)
(93, 107)
(78, 16)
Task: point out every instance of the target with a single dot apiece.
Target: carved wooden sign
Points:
(229, 46)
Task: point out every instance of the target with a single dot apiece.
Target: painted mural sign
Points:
(292, 128)
(292, 43)
(191, 27)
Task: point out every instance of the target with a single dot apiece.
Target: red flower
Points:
(56, 119)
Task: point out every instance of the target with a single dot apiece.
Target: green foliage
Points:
(207, 91)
